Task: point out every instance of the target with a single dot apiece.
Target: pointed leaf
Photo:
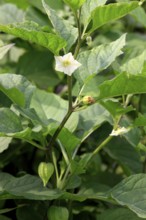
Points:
(123, 84)
(63, 27)
(9, 14)
(28, 187)
(45, 69)
(5, 141)
(2, 217)
(5, 49)
(74, 4)
(106, 13)
(115, 107)
(131, 193)
(140, 15)
(140, 120)
(119, 149)
(10, 122)
(2, 211)
(90, 120)
(99, 58)
(88, 8)
(46, 106)
(65, 138)
(17, 88)
(134, 65)
(118, 213)
(31, 31)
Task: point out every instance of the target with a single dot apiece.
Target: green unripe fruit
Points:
(45, 171)
(56, 213)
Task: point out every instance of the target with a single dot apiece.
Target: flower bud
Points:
(45, 171)
(89, 40)
(88, 100)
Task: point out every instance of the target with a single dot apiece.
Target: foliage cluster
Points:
(72, 146)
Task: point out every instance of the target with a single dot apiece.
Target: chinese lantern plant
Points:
(89, 145)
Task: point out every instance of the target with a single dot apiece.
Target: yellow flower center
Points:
(66, 63)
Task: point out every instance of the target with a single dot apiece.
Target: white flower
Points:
(119, 131)
(66, 64)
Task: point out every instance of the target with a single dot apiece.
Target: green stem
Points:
(36, 145)
(64, 153)
(55, 166)
(60, 127)
(79, 34)
(69, 82)
(101, 146)
(96, 151)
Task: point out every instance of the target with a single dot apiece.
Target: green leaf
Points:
(57, 4)
(140, 120)
(5, 178)
(28, 187)
(131, 193)
(31, 115)
(123, 84)
(2, 211)
(5, 49)
(5, 141)
(101, 193)
(30, 135)
(44, 69)
(69, 141)
(9, 14)
(31, 31)
(119, 149)
(33, 14)
(117, 213)
(2, 217)
(88, 8)
(99, 58)
(17, 88)
(65, 138)
(140, 15)
(74, 4)
(73, 182)
(106, 13)
(134, 65)
(115, 107)
(62, 27)
(134, 135)
(21, 3)
(89, 120)
(29, 212)
(10, 122)
(46, 106)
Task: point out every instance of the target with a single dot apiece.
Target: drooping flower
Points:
(66, 64)
(119, 131)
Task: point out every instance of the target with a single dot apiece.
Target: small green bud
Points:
(88, 100)
(45, 171)
(89, 40)
(56, 213)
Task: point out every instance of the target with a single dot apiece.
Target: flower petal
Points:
(66, 64)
